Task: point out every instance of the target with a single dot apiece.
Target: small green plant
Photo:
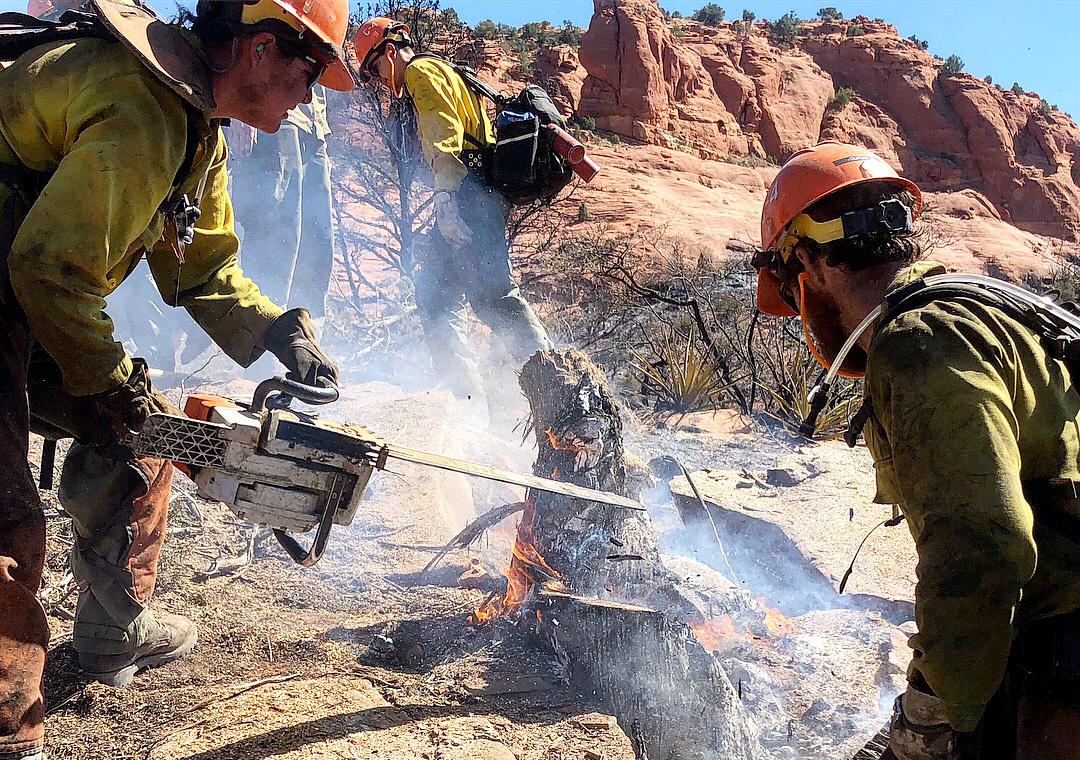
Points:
(1016, 89)
(710, 15)
(585, 122)
(920, 44)
(748, 16)
(830, 14)
(486, 30)
(742, 30)
(676, 14)
(988, 79)
(740, 159)
(614, 139)
(954, 64)
(582, 212)
(787, 76)
(841, 98)
(570, 34)
(785, 30)
(1044, 109)
(855, 30)
(792, 399)
(681, 379)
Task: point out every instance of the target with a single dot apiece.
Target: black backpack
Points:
(20, 32)
(522, 165)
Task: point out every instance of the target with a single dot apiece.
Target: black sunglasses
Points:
(293, 50)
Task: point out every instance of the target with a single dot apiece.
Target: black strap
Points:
(472, 81)
(1048, 498)
(23, 179)
(20, 33)
(858, 422)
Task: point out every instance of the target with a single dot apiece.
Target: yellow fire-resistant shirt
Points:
(446, 109)
(114, 138)
(968, 406)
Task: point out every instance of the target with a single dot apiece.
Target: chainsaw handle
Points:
(323, 393)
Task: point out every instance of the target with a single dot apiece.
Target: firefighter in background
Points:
(970, 422)
(102, 144)
(469, 260)
(285, 177)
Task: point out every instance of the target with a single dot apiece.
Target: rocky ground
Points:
(358, 658)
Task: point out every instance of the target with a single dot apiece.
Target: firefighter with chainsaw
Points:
(111, 150)
(974, 426)
(469, 260)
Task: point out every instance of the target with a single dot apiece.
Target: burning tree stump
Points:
(608, 617)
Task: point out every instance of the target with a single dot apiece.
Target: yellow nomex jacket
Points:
(114, 138)
(968, 406)
(446, 109)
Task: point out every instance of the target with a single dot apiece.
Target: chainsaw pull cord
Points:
(890, 523)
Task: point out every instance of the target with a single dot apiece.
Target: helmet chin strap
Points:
(398, 91)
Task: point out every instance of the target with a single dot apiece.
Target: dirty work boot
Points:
(171, 638)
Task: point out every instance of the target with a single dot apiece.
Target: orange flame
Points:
(719, 633)
(550, 433)
(776, 622)
(527, 569)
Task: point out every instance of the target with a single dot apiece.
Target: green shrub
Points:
(785, 30)
(1017, 89)
(586, 122)
(748, 16)
(920, 44)
(841, 98)
(855, 30)
(1044, 109)
(954, 64)
(742, 30)
(988, 79)
(711, 15)
(582, 212)
(486, 30)
(570, 34)
(830, 14)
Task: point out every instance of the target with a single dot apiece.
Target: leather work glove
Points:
(291, 339)
(448, 216)
(126, 407)
(919, 730)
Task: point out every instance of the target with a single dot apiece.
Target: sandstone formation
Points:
(723, 91)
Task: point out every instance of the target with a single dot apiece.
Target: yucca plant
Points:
(796, 373)
(681, 379)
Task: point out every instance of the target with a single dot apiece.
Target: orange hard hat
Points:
(807, 177)
(370, 37)
(326, 20)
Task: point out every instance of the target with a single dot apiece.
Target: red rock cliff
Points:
(719, 92)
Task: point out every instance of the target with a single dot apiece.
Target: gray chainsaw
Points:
(294, 472)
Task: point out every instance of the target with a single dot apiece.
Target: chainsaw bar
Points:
(505, 476)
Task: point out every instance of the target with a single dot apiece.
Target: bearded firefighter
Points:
(111, 150)
(469, 260)
(975, 431)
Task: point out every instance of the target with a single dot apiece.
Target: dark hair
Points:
(219, 21)
(870, 250)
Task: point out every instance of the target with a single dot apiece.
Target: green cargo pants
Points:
(448, 276)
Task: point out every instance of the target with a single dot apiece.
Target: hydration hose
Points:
(819, 396)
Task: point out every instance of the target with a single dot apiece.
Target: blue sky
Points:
(1032, 42)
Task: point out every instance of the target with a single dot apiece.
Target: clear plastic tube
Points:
(991, 283)
(817, 396)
